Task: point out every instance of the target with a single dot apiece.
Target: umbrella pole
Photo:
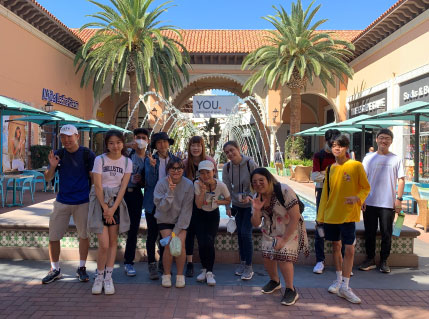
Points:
(1, 141)
(416, 155)
(91, 138)
(57, 137)
(362, 150)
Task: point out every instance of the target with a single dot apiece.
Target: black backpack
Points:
(280, 198)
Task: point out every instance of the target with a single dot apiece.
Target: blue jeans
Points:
(319, 243)
(244, 233)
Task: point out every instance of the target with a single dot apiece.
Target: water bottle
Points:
(398, 224)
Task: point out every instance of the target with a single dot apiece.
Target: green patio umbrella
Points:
(58, 119)
(415, 111)
(102, 127)
(364, 122)
(9, 106)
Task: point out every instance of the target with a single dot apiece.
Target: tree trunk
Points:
(132, 100)
(295, 111)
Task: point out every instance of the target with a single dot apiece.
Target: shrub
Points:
(294, 147)
(304, 162)
(39, 155)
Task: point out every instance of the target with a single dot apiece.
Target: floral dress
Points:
(275, 218)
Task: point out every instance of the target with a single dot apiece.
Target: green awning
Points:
(11, 107)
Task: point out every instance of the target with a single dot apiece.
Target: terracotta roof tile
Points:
(224, 41)
(381, 17)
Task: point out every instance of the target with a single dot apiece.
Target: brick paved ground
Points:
(74, 300)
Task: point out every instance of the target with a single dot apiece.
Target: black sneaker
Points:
(81, 274)
(271, 286)
(160, 267)
(290, 297)
(53, 274)
(189, 270)
(384, 267)
(368, 264)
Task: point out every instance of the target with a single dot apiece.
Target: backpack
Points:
(86, 155)
(280, 198)
(228, 165)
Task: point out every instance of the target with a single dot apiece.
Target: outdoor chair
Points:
(1, 190)
(302, 174)
(38, 177)
(56, 182)
(407, 197)
(22, 185)
(421, 196)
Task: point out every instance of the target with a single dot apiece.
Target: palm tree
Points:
(129, 45)
(296, 55)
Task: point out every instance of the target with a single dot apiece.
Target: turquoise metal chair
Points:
(56, 182)
(407, 195)
(22, 185)
(1, 190)
(38, 177)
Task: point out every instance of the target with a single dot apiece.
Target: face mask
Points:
(141, 143)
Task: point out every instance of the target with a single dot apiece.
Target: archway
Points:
(316, 110)
(182, 100)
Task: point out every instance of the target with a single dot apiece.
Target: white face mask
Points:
(141, 143)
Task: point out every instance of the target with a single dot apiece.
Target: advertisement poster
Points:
(14, 142)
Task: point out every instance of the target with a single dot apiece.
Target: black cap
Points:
(159, 137)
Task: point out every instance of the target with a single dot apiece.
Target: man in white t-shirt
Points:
(384, 170)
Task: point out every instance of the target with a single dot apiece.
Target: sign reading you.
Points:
(58, 98)
(213, 105)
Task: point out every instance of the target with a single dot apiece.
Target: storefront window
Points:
(424, 152)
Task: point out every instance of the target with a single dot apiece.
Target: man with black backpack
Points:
(134, 197)
(74, 165)
(321, 161)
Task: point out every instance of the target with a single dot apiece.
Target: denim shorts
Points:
(345, 232)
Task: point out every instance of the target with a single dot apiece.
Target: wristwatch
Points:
(400, 199)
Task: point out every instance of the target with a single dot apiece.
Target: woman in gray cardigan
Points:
(173, 198)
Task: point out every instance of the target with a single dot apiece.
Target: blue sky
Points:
(233, 14)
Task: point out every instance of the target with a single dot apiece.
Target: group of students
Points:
(181, 199)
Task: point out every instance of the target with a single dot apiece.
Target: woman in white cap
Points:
(209, 194)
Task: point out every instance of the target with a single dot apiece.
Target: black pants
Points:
(152, 237)
(371, 217)
(319, 242)
(134, 201)
(208, 225)
(191, 233)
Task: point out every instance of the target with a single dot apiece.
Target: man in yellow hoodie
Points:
(344, 191)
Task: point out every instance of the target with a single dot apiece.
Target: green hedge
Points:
(304, 162)
(39, 155)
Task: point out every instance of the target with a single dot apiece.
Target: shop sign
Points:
(415, 90)
(58, 98)
(213, 105)
(369, 104)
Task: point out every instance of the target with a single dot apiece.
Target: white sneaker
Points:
(109, 288)
(335, 287)
(210, 279)
(348, 294)
(166, 281)
(318, 269)
(180, 281)
(97, 287)
(202, 277)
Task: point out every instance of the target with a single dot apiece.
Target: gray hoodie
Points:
(238, 179)
(174, 207)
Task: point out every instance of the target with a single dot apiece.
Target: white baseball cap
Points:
(69, 129)
(207, 165)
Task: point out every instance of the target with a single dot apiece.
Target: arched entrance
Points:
(182, 100)
(316, 110)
